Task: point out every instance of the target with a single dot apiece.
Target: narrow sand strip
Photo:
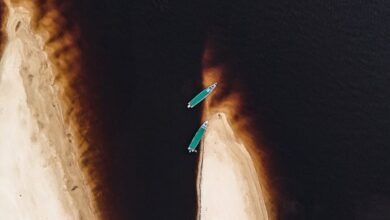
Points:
(228, 186)
(39, 175)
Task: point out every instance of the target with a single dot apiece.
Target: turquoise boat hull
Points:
(202, 95)
(197, 138)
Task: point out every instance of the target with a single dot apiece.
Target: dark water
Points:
(315, 74)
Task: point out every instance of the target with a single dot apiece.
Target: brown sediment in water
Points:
(228, 100)
(53, 61)
(3, 15)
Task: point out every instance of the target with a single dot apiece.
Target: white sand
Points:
(38, 169)
(228, 186)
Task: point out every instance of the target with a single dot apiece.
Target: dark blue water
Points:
(315, 76)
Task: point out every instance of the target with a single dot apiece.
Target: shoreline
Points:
(228, 185)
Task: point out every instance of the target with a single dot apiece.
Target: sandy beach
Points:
(39, 173)
(228, 186)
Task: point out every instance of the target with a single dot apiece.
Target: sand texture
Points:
(39, 173)
(228, 185)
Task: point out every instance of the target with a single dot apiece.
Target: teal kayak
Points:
(202, 95)
(198, 137)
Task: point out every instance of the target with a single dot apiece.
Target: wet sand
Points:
(39, 173)
(228, 186)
